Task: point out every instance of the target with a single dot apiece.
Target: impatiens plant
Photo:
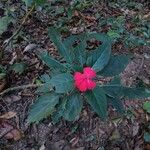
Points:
(75, 78)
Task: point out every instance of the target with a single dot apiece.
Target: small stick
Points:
(19, 88)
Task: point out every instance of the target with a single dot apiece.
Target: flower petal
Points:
(89, 72)
(77, 76)
(83, 86)
(91, 84)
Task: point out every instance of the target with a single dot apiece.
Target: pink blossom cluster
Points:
(84, 81)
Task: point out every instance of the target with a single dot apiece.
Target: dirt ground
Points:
(89, 132)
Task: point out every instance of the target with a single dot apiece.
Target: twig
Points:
(17, 31)
(19, 88)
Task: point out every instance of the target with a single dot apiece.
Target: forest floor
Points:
(89, 132)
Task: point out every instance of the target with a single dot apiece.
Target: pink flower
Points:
(83, 81)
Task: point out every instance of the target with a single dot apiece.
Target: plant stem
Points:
(17, 32)
(20, 88)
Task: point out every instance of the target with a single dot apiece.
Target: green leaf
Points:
(147, 137)
(46, 85)
(103, 59)
(99, 36)
(2, 69)
(51, 62)
(63, 83)
(97, 100)
(79, 50)
(45, 78)
(39, 2)
(4, 22)
(117, 104)
(28, 2)
(95, 54)
(19, 67)
(56, 116)
(136, 92)
(45, 88)
(113, 34)
(115, 66)
(63, 50)
(43, 107)
(73, 107)
(115, 89)
(99, 58)
(70, 40)
(80, 53)
(31, 2)
(2, 72)
(2, 75)
(146, 106)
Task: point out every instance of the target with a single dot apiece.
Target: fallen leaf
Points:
(42, 147)
(74, 141)
(115, 135)
(12, 98)
(8, 131)
(135, 129)
(147, 147)
(8, 115)
(5, 127)
(14, 134)
(147, 16)
(2, 84)
(30, 48)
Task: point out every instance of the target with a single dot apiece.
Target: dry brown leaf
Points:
(74, 141)
(76, 13)
(14, 134)
(147, 147)
(5, 127)
(90, 18)
(115, 135)
(147, 16)
(8, 115)
(8, 131)
(2, 84)
(12, 98)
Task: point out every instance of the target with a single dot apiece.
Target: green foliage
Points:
(99, 57)
(58, 113)
(2, 72)
(73, 107)
(4, 22)
(45, 85)
(63, 83)
(116, 89)
(118, 32)
(146, 106)
(116, 103)
(135, 92)
(61, 99)
(79, 49)
(97, 100)
(43, 107)
(18, 67)
(56, 39)
(36, 2)
(103, 59)
(115, 66)
(147, 137)
(50, 61)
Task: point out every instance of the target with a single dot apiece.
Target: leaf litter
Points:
(129, 130)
